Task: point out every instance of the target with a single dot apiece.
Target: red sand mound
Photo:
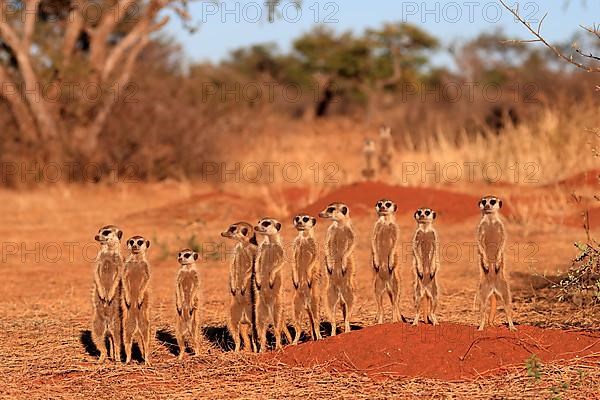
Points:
(587, 178)
(448, 351)
(361, 198)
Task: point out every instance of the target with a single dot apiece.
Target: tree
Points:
(397, 53)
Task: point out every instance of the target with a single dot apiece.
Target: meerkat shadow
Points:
(168, 340)
(326, 328)
(219, 336)
(85, 338)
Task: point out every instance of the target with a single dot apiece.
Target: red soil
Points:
(448, 351)
(361, 198)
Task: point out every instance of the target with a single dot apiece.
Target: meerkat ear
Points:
(278, 226)
(119, 234)
(415, 215)
(195, 256)
(434, 214)
(147, 243)
(253, 240)
(314, 220)
(395, 207)
(345, 210)
(500, 203)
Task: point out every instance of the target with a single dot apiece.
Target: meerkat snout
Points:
(385, 207)
(187, 257)
(489, 204)
(137, 244)
(304, 222)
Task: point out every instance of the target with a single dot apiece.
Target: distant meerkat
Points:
(339, 262)
(491, 238)
(136, 310)
(241, 285)
(384, 252)
(187, 301)
(306, 276)
(106, 296)
(386, 149)
(369, 153)
(426, 263)
(269, 263)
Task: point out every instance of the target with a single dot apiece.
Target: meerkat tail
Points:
(493, 305)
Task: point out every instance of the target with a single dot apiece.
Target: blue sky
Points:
(236, 23)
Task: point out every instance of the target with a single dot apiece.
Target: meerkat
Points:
(187, 301)
(136, 310)
(339, 262)
(106, 295)
(369, 152)
(386, 148)
(306, 276)
(491, 238)
(242, 319)
(269, 263)
(426, 263)
(384, 254)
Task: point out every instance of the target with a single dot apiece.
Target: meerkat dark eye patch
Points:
(305, 219)
(379, 204)
(140, 242)
(266, 224)
(187, 255)
(428, 213)
(105, 233)
(331, 209)
(131, 242)
(297, 219)
(483, 202)
(419, 212)
(232, 228)
(244, 231)
(388, 204)
(493, 202)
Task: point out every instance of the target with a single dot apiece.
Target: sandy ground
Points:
(45, 295)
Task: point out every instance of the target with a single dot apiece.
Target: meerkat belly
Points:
(305, 256)
(426, 244)
(108, 270)
(384, 242)
(187, 288)
(339, 242)
(492, 241)
(135, 278)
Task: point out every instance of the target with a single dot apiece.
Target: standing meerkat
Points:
(426, 263)
(369, 153)
(384, 254)
(187, 301)
(339, 262)
(269, 263)
(106, 296)
(306, 276)
(491, 238)
(386, 149)
(136, 310)
(242, 319)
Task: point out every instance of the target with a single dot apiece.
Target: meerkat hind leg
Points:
(504, 291)
(484, 300)
(313, 315)
(98, 336)
(493, 308)
(332, 300)
(379, 294)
